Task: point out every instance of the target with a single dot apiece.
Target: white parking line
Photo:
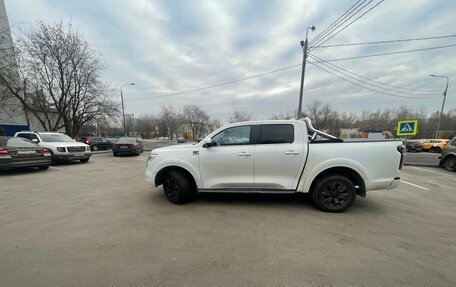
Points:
(415, 185)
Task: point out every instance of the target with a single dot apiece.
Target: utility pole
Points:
(443, 105)
(123, 110)
(304, 45)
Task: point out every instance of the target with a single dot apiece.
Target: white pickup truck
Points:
(280, 156)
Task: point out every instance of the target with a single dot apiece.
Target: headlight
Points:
(87, 148)
(61, 149)
(152, 156)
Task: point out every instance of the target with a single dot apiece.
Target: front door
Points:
(229, 164)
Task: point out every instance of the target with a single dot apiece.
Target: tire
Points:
(84, 160)
(450, 163)
(43, 167)
(334, 193)
(178, 187)
(115, 154)
(95, 148)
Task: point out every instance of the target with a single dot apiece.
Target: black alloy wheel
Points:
(334, 193)
(450, 164)
(178, 187)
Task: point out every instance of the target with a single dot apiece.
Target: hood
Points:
(176, 147)
(62, 144)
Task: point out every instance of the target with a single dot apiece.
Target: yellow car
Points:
(434, 145)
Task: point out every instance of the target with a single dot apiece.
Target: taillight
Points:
(87, 141)
(401, 150)
(114, 146)
(133, 145)
(3, 151)
(46, 150)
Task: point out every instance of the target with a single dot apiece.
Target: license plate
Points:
(25, 151)
(123, 146)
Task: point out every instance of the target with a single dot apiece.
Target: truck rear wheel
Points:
(178, 187)
(334, 193)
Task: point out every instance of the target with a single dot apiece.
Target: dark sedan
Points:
(97, 143)
(20, 152)
(413, 145)
(130, 146)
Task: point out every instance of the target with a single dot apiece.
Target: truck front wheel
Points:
(178, 187)
(334, 193)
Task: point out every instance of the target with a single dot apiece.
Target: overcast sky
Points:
(167, 47)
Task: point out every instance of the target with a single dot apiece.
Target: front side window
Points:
(28, 136)
(276, 134)
(233, 136)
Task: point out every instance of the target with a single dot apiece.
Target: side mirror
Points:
(208, 143)
(35, 140)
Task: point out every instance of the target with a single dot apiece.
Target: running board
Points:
(248, 190)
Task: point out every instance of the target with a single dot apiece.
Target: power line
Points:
(327, 30)
(389, 53)
(343, 22)
(338, 68)
(327, 39)
(384, 93)
(218, 85)
(388, 41)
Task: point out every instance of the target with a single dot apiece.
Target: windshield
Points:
(55, 138)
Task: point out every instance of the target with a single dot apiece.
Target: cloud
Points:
(172, 46)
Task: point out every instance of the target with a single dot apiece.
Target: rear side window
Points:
(28, 136)
(276, 134)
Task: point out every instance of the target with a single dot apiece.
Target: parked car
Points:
(62, 147)
(436, 145)
(413, 145)
(97, 143)
(20, 152)
(448, 158)
(130, 146)
(277, 157)
(181, 140)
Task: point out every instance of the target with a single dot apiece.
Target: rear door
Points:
(279, 152)
(229, 164)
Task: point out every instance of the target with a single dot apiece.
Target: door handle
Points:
(291, 152)
(244, 154)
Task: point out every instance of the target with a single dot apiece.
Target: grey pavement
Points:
(101, 224)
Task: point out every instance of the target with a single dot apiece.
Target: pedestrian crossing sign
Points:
(407, 128)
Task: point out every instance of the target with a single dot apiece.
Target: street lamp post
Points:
(304, 45)
(123, 110)
(443, 104)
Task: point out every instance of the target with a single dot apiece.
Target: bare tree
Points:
(320, 113)
(239, 116)
(196, 118)
(56, 76)
(170, 117)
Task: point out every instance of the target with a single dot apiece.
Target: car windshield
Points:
(55, 138)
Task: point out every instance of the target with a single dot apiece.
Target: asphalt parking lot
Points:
(101, 224)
